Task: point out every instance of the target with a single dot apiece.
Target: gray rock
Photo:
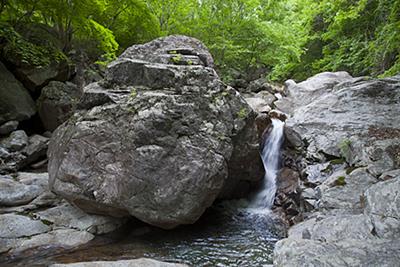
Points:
(258, 85)
(293, 139)
(390, 175)
(16, 226)
(62, 238)
(309, 193)
(56, 103)
(349, 252)
(164, 50)
(13, 193)
(4, 154)
(383, 205)
(316, 173)
(350, 131)
(69, 216)
(261, 102)
(163, 150)
(303, 93)
(15, 101)
(8, 127)
(36, 148)
(11, 162)
(34, 78)
(16, 141)
(353, 121)
(334, 228)
(142, 262)
(30, 178)
(349, 195)
(95, 95)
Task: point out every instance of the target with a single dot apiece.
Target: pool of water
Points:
(228, 234)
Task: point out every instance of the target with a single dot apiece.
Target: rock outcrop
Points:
(160, 138)
(346, 134)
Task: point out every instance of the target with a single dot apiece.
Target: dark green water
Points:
(227, 235)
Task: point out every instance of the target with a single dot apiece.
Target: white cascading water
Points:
(270, 155)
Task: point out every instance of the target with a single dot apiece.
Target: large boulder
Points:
(157, 139)
(15, 101)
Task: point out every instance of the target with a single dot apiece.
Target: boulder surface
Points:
(160, 138)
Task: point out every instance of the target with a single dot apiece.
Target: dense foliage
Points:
(284, 38)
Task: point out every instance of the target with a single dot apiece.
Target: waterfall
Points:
(270, 157)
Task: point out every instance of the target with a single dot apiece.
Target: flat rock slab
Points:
(14, 193)
(142, 262)
(17, 226)
(69, 216)
(62, 238)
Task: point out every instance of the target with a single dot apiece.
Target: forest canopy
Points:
(285, 38)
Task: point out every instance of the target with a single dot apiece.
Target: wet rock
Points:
(383, 205)
(165, 148)
(15, 142)
(16, 226)
(8, 127)
(288, 195)
(263, 122)
(288, 181)
(15, 101)
(56, 103)
(142, 262)
(293, 139)
(277, 115)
